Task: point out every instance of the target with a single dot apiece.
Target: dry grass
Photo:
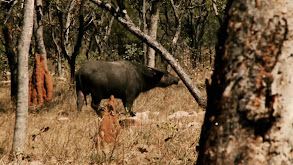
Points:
(57, 134)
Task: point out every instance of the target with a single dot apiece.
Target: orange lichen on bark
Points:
(41, 83)
(110, 127)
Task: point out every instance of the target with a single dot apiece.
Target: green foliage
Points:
(198, 31)
(133, 53)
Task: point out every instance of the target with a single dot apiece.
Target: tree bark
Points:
(23, 77)
(144, 22)
(249, 115)
(78, 44)
(12, 59)
(69, 7)
(108, 30)
(9, 46)
(38, 31)
(57, 46)
(153, 27)
(129, 25)
(41, 82)
(178, 27)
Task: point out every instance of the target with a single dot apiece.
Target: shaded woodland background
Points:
(74, 35)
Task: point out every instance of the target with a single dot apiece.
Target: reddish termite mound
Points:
(41, 83)
(110, 127)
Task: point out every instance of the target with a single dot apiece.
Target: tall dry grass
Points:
(58, 134)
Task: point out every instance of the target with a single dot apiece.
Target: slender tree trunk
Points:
(59, 58)
(38, 31)
(57, 46)
(41, 82)
(69, 7)
(59, 65)
(197, 30)
(249, 115)
(153, 27)
(12, 61)
(178, 27)
(145, 31)
(23, 77)
(64, 36)
(129, 25)
(72, 69)
(78, 44)
(108, 30)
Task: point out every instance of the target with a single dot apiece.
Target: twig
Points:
(215, 7)
(216, 11)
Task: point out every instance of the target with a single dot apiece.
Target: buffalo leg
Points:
(95, 105)
(80, 100)
(128, 106)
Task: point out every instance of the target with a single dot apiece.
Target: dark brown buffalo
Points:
(123, 79)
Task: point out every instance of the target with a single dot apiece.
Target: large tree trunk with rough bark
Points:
(23, 77)
(153, 27)
(124, 19)
(249, 117)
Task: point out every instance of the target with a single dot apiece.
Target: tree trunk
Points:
(108, 31)
(59, 58)
(145, 31)
(69, 8)
(57, 46)
(64, 36)
(72, 68)
(178, 27)
(153, 27)
(41, 82)
(22, 93)
(38, 31)
(12, 61)
(129, 25)
(249, 115)
(197, 30)
(78, 44)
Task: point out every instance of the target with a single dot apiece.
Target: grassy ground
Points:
(57, 134)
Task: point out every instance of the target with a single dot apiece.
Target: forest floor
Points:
(58, 134)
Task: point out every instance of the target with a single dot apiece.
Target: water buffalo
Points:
(123, 79)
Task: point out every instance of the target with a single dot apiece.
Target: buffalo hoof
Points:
(132, 114)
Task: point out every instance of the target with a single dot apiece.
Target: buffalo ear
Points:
(151, 72)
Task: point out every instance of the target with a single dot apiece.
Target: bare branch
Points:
(10, 9)
(215, 7)
(216, 11)
(108, 30)
(68, 19)
(178, 23)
